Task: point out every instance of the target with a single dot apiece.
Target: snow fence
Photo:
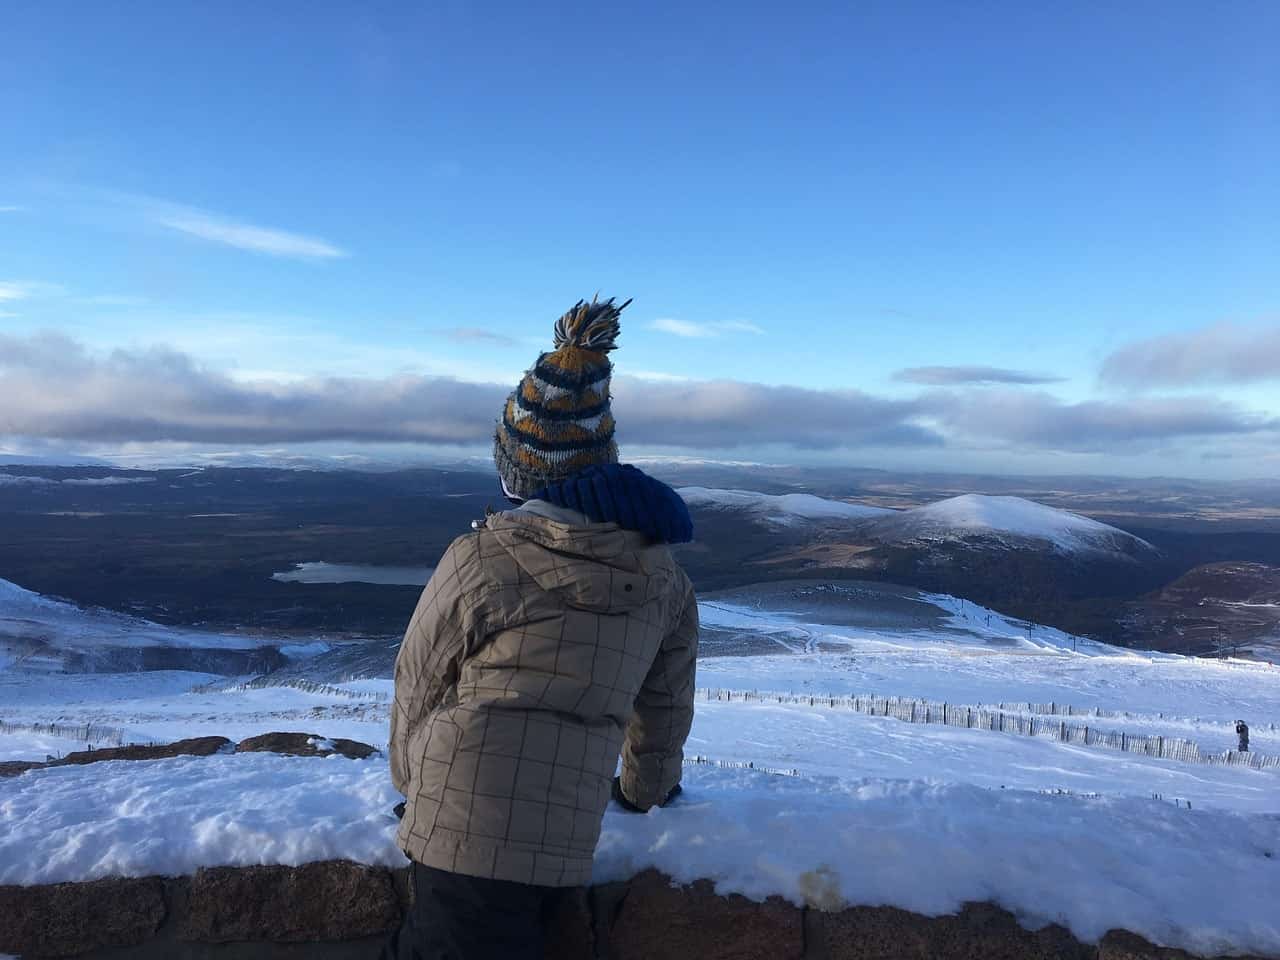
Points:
(912, 710)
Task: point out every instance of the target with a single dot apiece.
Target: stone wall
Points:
(338, 910)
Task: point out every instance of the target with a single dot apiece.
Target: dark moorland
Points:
(200, 546)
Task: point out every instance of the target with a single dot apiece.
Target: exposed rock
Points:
(341, 910)
(194, 747)
(1123, 945)
(11, 768)
(981, 931)
(305, 745)
(330, 900)
(65, 919)
(656, 921)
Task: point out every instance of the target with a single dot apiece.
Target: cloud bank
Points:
(1040, 421)
(478, 335)
(691, 329)
(55, 389)
(954, 376)
(1221, 354)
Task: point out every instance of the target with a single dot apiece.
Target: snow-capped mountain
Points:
(1003, 551)
(787, 508)
(1010, 521)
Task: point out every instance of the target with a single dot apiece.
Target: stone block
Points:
(328, 900)
(66, 919)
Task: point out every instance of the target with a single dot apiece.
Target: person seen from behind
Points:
(556, 635)
(1242, 735)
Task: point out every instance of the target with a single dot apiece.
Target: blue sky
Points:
(825, 195)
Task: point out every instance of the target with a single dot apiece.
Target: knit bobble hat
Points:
(558, 421)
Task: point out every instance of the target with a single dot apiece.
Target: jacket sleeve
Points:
(653, 752)
(428, 661)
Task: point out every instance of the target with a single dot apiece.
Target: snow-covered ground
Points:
(1088, 863)
(61, 625)
(987, 659)
(162, 706)
(918, 816)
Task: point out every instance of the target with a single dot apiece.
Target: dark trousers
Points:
(456, 917)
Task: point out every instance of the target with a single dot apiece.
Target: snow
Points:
(305, 651)
(27, 614)
(138, 818)
(783, 508)
(974, 662)
(13, 479)
(962, 516)
(975, 514)
(160, 708)
(821, 741)
(921, 817)
(34, 745)
(112, 481)
(1090, 864)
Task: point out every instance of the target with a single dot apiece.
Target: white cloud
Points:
(62, 390)
(11, 290)
(689, 328)
(479, 335)
(1039, 420)
(658, 376)
(113, 300)
(244, 236)
(1224, 353)
(57, 389)
(952, 376)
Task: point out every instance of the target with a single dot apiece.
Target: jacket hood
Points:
(599, 567)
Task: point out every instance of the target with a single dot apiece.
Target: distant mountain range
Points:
(1011, 553)
(979, 521)
(205, 546)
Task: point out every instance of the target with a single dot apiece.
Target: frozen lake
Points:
(322, 572)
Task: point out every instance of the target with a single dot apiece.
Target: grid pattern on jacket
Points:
(535, 651)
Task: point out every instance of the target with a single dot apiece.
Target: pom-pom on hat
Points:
(558, 421)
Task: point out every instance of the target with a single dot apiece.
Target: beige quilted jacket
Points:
(539, 650)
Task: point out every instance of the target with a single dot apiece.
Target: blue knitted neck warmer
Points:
(622, 494)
